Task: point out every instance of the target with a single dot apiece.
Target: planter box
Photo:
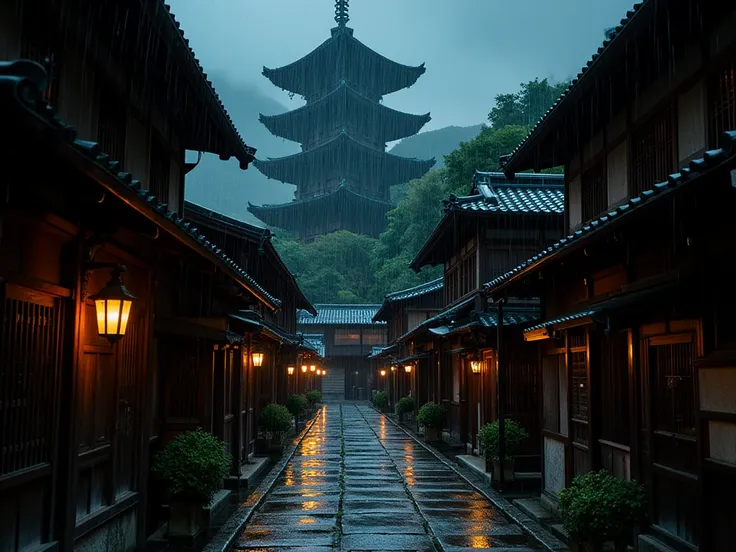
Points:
(432, 434)
(185, 520)
(270, 445)
(495, 468)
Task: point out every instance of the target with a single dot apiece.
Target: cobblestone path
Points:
(357, 482)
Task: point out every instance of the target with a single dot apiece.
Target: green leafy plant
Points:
(193, 466)
(598, 507)
(314, 396)
(431, 415)
(514, 436)
(406, 404)
(275, 418)
(296, 404)
(380, 399)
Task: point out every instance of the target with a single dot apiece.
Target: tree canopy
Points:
(343, 267)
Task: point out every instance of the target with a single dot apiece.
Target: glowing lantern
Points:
(312, 368)
(407, 368)
(475, 366)
(257, 359)
(113, 304)
(383, 372)
(290, 370)
(304, 368)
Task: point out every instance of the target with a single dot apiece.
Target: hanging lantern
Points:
(312, 368)
(113, 304)
(383, 373)
(304, 368)
(257, 359)
(290, 370)
(393, 368)
(475, 366)
(408, 368)
(324, 372)
(319, 372)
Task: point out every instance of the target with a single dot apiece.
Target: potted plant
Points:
(405, 406)
(598, 507)
(274, 421)
(313, 396)
(192, 466)
(380, 400)
(296, 404)
(432, 417)
(514, 436)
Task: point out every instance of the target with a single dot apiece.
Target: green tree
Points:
(527, 106)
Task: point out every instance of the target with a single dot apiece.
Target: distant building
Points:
(348, 335)
(343, 173)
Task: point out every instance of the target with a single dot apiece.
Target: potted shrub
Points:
(598, 507)
(313, 396)
(380, 400)
(296, 404)
(405, 406)
(192, 466)
(514, 436)
(274, 421)
(432, 417)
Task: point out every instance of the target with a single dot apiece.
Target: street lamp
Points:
(113, 304)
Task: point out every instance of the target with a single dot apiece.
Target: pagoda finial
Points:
(341, 12)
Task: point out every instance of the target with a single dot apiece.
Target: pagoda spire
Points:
(341, 12)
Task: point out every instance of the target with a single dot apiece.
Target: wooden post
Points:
(237, 399)
(501, 396)
(218, 391)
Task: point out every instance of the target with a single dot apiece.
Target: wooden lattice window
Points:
(111, 124)
(652, 152)
(614, 388)
(594, 191)
(160, 168)
(578, 365)
(674, 391)
(722, 103)
(30, 361)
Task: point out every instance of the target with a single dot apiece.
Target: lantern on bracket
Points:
(290, 370)
(304, 368)
(383, 373)
(112, 305)
(257, 357)
(408, 368)
(474, 364)
(312, 368)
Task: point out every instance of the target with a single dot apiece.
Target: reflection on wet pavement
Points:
(357, 482)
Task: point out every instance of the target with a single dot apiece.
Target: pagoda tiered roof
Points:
(355, 212)
(347, 108)
(343, 57)
(344, 158)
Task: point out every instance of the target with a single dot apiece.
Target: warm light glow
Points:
(475, 366)
(324, 372)
(112, 306)
(383, 372)
(290, 370)
(312, 368)
(257, 359)
(304, 368)
(407, 368)
(319, 372)
(393, 368)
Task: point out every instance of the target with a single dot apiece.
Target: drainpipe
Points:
(500, 358)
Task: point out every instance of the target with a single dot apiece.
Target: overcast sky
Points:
(473, 49)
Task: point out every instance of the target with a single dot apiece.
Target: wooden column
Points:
(237, 401)
(219, 357)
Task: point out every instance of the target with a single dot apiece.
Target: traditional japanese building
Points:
(347, 333)
(343, 173)
(636, 336)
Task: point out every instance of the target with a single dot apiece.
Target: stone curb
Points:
(539, 533)
(225, 538)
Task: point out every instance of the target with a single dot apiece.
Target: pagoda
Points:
(343, 174)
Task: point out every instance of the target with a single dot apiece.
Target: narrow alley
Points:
(357, 482)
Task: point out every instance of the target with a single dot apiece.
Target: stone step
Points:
(559, 531)
(648, 543)
(534, 509)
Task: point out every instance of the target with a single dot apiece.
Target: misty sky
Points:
(473, 49)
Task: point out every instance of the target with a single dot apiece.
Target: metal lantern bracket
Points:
(91, 266)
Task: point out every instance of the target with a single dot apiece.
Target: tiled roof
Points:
(440, 317)
(316, 342)
(377, 352)
(511, 317)
(246, 153)
(120, 184)
(253, 318)
(726, 155)
(406, 294)
(353, 315)
(562, 319)
(526, 193)
(611, 37)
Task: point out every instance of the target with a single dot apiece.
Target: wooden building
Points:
(82, 414)
(481, 235)
(343, 173)
(403, 310)
(348, 333)
(636, 340)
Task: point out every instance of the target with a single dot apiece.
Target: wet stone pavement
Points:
(357, 482)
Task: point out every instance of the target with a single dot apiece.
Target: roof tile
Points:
(354, 315)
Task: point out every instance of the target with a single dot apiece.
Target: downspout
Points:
(500, 354)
